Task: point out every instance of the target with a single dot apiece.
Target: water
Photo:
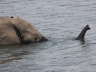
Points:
(60, 21)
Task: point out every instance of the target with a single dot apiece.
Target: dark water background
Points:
(60, 21)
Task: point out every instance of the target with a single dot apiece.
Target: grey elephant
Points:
(17, 30)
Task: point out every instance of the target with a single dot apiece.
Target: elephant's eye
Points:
(35, 39)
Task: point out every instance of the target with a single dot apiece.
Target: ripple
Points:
(60, 21)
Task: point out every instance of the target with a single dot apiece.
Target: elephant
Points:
(14, 30)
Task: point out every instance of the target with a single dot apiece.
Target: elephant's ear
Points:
(19, 34)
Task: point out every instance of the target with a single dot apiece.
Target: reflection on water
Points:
(60, 21)
(13, 56)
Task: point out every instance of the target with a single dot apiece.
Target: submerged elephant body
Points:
(17, 30)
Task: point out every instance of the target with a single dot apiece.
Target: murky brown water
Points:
(60, 21)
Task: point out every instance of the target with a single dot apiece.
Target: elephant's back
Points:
(7, 32)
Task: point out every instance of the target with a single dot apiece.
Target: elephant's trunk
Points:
(43, 39)
(83, 32)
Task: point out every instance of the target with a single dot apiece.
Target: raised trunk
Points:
(83, 32)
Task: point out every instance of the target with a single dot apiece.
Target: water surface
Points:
(60, 21)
